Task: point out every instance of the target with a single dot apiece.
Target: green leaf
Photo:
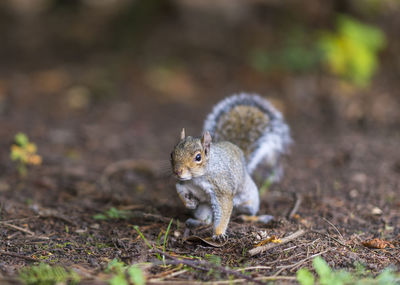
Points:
(387, 277)
(352, 51)
(21, 139)
(100, 217)
(116, 266)
(118, 280)
(322, 268)
(305, 277)
(136, 275)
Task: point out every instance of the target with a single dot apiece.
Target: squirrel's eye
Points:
(198, 157)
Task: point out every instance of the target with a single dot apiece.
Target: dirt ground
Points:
(105, 127)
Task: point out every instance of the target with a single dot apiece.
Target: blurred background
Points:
(91, 86)
(96, 81)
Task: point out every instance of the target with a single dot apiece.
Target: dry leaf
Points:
(272, 239)
(377, 243)
(207, 241)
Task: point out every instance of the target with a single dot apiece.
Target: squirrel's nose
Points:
(178, 171)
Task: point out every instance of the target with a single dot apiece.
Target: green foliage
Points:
(305, 277)
(113, 214)
(327, 276)
(352, 51)
(159, 236)
(146, 241)
(23, 152)
(123, 274)
(216, 260)
(136, 275)
(45, 274)
(265, 186)
(142, 236)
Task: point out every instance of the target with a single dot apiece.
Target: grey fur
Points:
(220, 182)
(225, 176)
(275, 139)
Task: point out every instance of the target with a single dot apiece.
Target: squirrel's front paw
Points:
(220, 238)
(191, 203)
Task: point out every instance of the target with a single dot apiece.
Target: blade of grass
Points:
(145, 240)
(166, 234)
(165, 238)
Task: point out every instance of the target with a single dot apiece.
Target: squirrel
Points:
(214, 171)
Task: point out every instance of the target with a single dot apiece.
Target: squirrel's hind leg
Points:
(247, 201)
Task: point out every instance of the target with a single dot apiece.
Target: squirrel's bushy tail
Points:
(253, 124)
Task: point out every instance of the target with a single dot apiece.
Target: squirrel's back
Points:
(253, 124)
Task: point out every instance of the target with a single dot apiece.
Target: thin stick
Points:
(18, 228)
(205, 266)
(299, 263)
(254, 267)
(241, 280)
(335, 239)
(284, 240)
(296, 206)
(13, 254)
(336, 229)
(19, 220)
(169, 275)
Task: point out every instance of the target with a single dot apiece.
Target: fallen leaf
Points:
(377, 243)
(207, 241)
(272, 239)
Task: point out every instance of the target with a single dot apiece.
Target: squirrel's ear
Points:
(206, 142)
(183, 134)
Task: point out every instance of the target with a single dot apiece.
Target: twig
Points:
(297, 264)
(205, 266)
(13, 254)
(284, 240)
(20, 220)
(335, 239)
(336, 229)
(296, 206)
(18, 228)
(168, 274)
(241, 280)
(254, 268)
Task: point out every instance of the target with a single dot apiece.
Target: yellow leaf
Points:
(272, 239)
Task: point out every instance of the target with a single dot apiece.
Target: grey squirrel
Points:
(214, 171)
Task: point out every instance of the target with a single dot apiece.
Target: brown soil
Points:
(111, 149)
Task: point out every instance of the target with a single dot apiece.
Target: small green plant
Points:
(123, 274)
(45, 274)
(265, 186)
(113, 214)
(328, 276)
(23, 152)
(216, 260)
(158, 242)
(352, 51)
